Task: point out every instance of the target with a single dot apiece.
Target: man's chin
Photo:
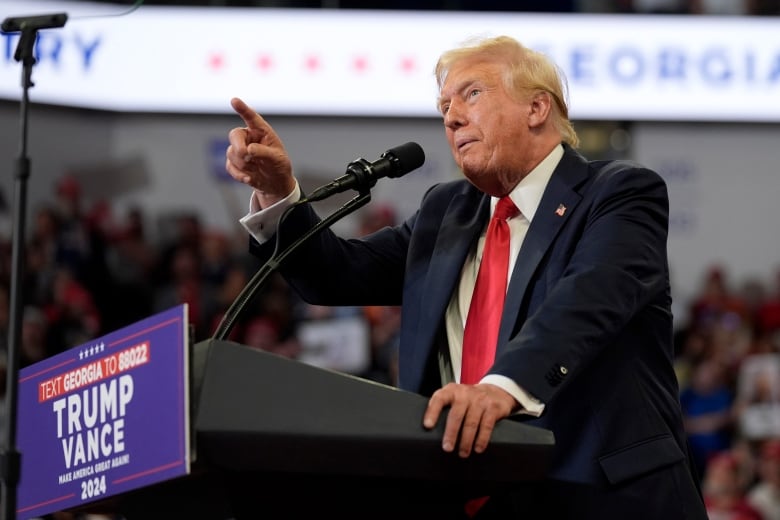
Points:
(474, 176)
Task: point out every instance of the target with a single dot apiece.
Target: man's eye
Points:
(473, 92)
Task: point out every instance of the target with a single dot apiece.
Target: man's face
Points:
(486, 127)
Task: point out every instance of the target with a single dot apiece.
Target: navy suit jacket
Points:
(587, 324)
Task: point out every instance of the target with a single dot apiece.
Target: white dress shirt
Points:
(527, 195)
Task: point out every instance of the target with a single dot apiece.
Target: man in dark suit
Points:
(584, 346)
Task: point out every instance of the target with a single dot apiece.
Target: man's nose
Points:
(455, 116)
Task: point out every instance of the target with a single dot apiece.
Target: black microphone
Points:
(44, 21)
(362, 175)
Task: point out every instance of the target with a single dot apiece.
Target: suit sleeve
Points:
(605, 278)
(331, 270)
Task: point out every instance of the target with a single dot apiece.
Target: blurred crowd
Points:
(89, 271)
(728, 365)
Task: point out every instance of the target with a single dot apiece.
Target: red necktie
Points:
(487, 303)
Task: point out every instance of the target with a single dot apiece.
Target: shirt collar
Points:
(528, 193)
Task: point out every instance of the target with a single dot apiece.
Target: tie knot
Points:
(505, 209)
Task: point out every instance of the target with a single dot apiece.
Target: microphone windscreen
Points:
(409, 156)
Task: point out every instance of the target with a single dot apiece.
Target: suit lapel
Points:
(558, 203)
(459, 230)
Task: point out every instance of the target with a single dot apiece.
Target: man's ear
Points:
(539, 109)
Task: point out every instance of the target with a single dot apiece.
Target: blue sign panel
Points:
(106, 417)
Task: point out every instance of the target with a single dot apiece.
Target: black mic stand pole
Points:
(10, 458)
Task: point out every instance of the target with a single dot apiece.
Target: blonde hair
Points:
(527, 71)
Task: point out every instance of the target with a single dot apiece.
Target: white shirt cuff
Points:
(261, 223)
(529, 404)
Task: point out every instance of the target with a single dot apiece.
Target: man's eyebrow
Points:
(461, 87)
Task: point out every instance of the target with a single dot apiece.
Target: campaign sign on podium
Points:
(105, 417)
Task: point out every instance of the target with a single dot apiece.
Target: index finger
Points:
(251, 118)
(432, 412)
(440, 398)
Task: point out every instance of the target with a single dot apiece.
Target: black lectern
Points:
(275, 438)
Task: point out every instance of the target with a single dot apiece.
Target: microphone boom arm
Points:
(272, 264)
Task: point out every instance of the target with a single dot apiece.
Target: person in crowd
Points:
(757, 403)
(263, 333)
(764, 495)
(768, 313)
(716, 302)
(186, 285)
(81, 239)
(131, 259)
(707, 403)
(724, 489)
(584, 345)
(72, 315)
